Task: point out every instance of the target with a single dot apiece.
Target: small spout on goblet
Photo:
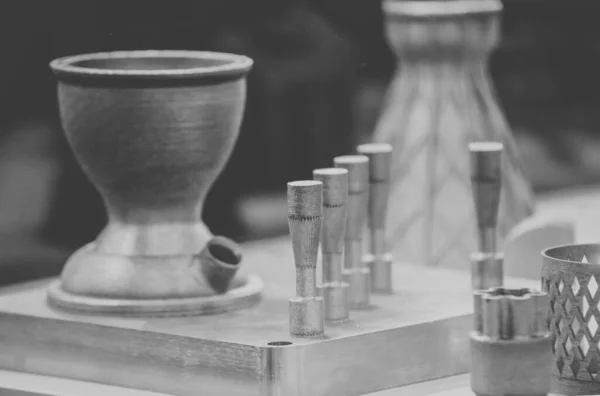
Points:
(219, 262)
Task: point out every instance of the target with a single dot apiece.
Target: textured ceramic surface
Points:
(440, 100)
(152, 130)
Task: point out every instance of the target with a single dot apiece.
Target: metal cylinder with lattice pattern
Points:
(571, 276)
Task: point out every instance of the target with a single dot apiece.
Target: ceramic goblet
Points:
(152, 130)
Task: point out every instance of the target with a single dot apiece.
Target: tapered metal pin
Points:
(356, 274)
(486, 182)
(305, 211)
(335, 196)
(379, 259)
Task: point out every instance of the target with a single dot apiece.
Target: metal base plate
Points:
(418, 334)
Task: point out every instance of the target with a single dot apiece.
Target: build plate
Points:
(418, 334)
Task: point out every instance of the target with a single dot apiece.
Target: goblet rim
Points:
(547, 254)
(233, 66)
(440, 8)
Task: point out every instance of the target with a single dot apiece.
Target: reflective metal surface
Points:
(418, 334)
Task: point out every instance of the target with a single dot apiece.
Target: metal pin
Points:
(486, 182)
(521, 318)
(492, 316)
(355, 273)
(335, 196)
(379, 260)
(478, 310)
(305, 210)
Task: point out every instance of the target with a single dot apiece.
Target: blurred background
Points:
(321, 70)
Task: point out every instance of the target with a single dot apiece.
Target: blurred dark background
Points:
(321, 70)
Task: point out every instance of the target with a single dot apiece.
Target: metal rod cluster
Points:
(510, 344)
(332, 211)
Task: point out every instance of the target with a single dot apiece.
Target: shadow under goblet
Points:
(153, 130)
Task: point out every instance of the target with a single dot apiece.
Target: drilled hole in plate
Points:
(279, 343)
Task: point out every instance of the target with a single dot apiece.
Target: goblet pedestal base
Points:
(95, 281)
(244, 292)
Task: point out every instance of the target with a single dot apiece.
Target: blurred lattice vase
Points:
(441, 99)
(571, 276)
